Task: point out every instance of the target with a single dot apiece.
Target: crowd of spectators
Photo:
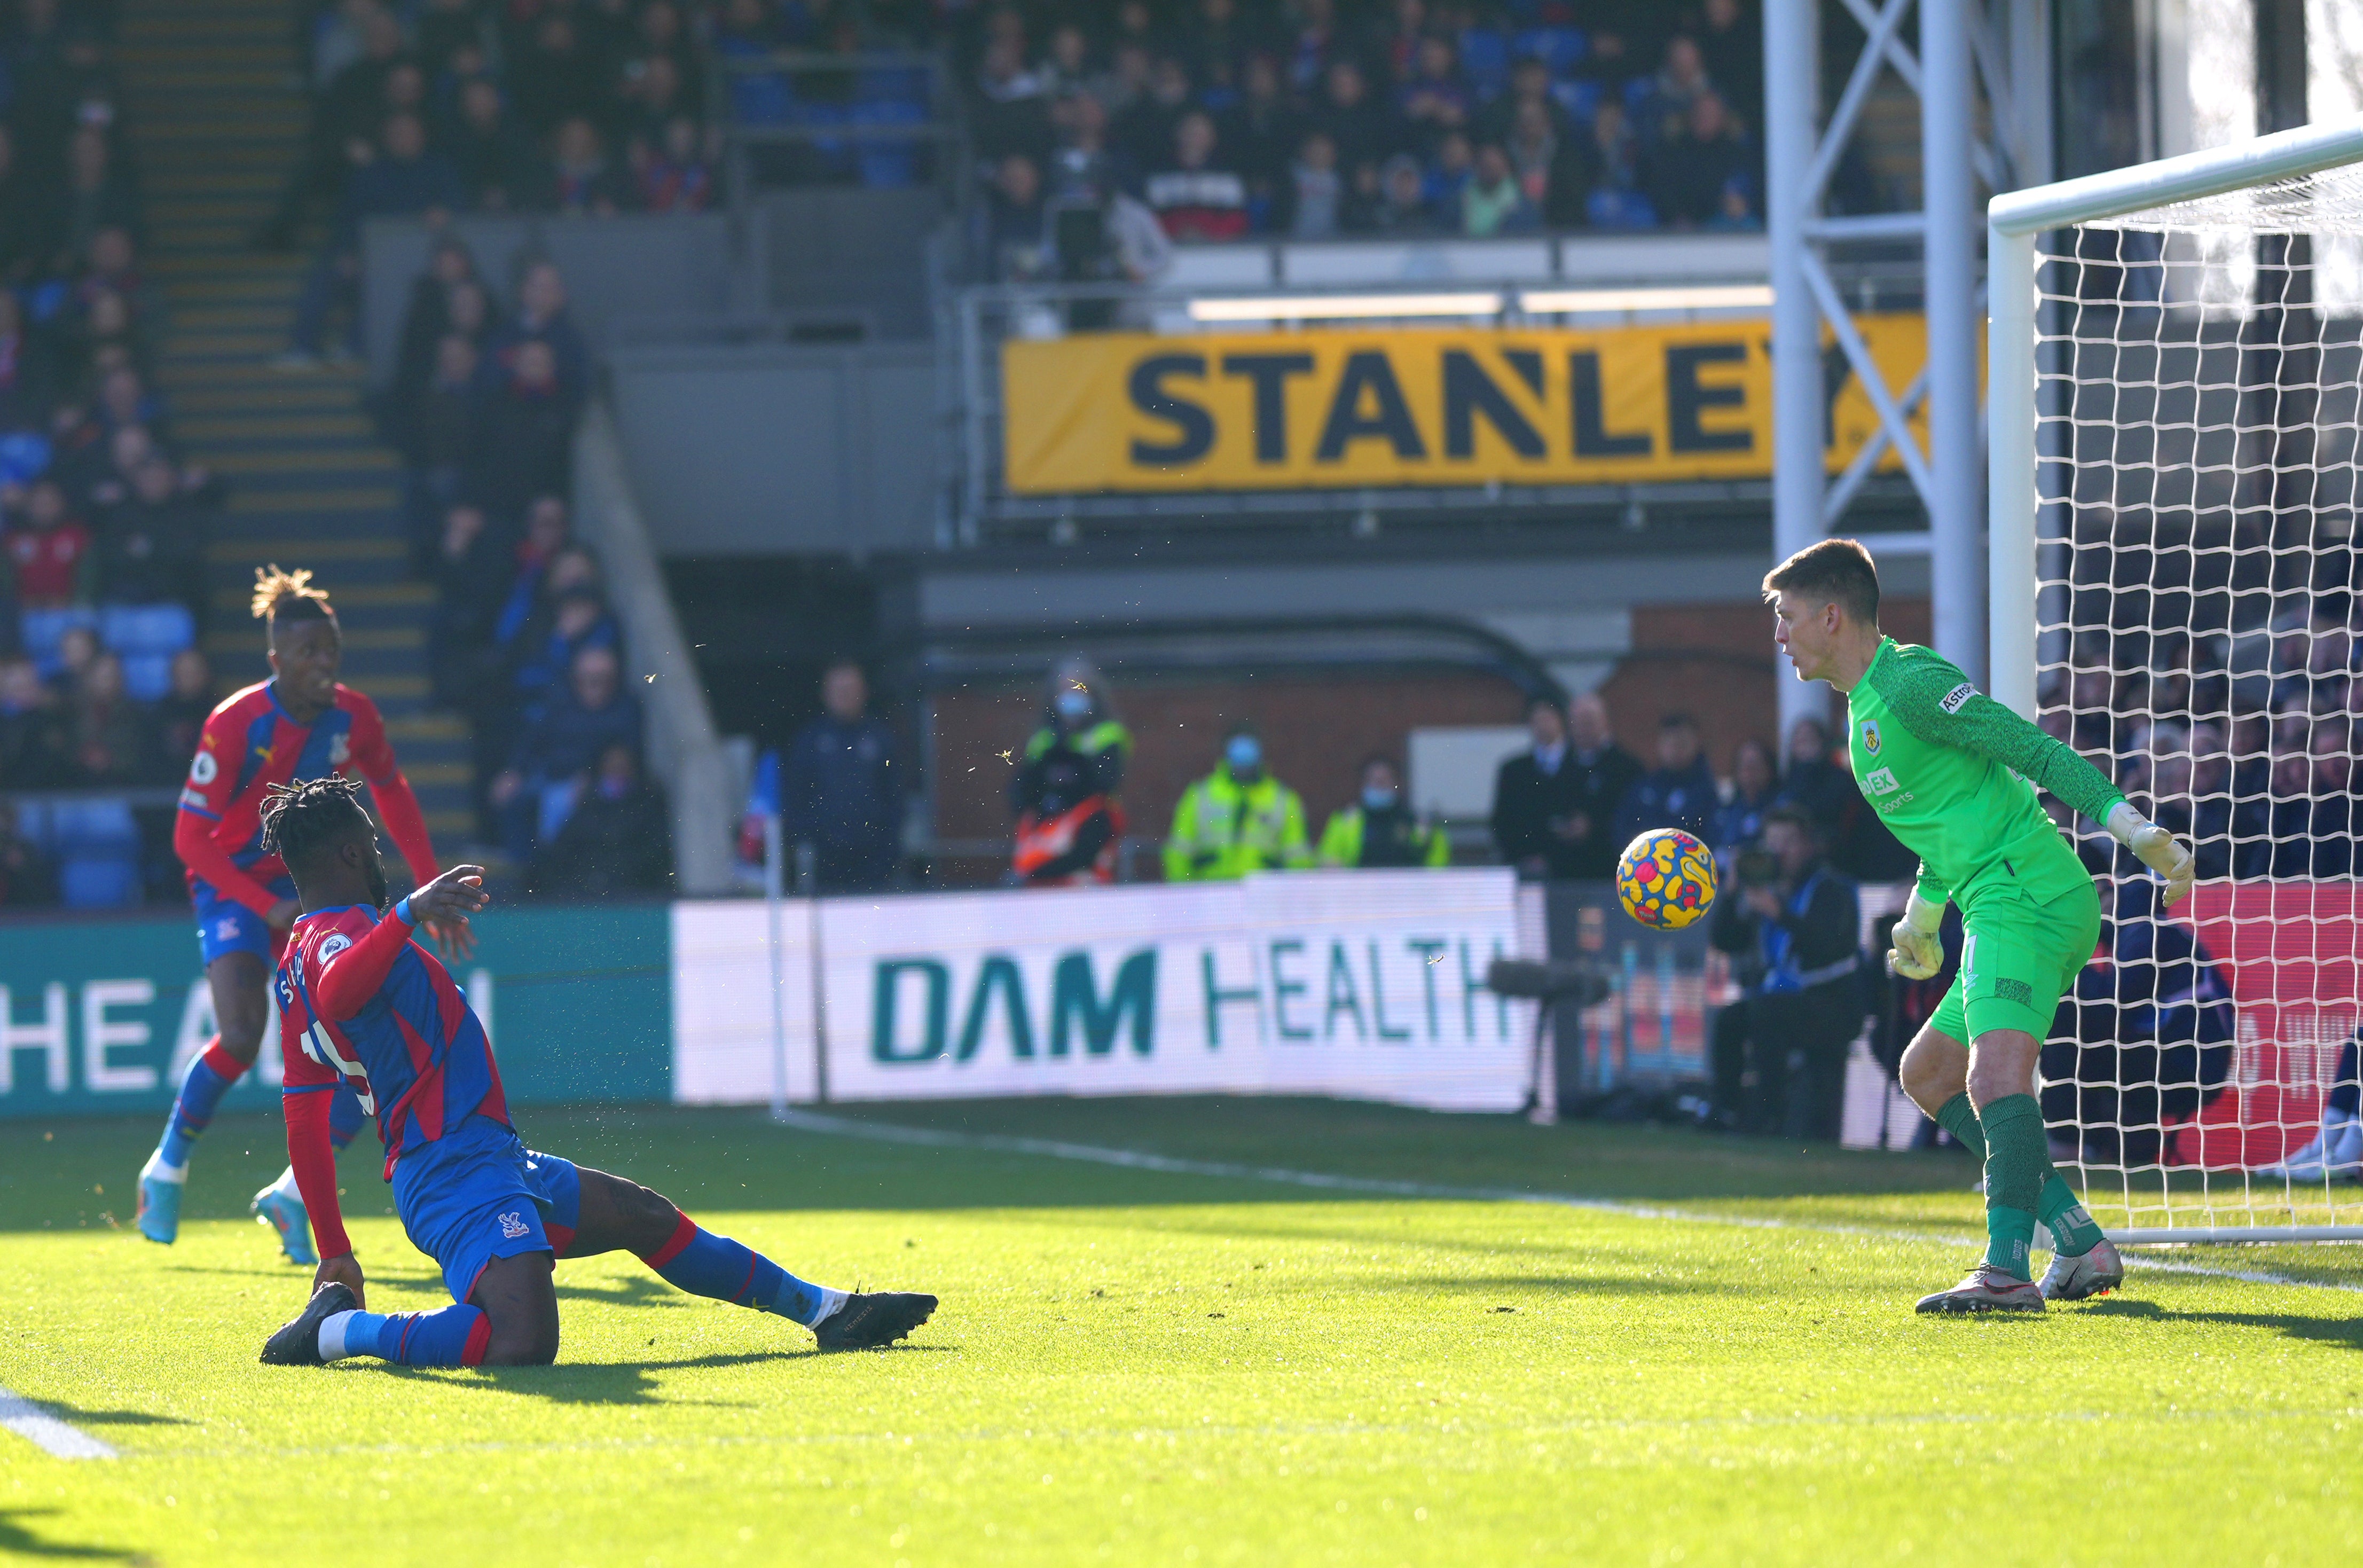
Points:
(2242, 743)
(464, 106)
(1308, 119)
(486, 392)
(103, 525)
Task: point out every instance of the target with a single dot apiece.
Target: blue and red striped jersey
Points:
(409, 1044)
(249, 743)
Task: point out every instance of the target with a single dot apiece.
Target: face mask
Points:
(1073, 704)
(1377, 797)
(1244, 752)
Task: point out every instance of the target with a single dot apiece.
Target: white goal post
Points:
(2174, 478)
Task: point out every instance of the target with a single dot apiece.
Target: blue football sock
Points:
(209, 1077)
(449, 1335)
(703, 1263)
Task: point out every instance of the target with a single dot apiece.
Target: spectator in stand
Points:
(577, 179)
(616, 841)
(28, 879)
(1678, 793)
(1064, 793)
(1606, 771)
(468, 592)
(427, 318)
(403, 180)
(1017, 222)
(1703, 177)
(35, 752)
(543, 316)
(181, 715)
(1012, 114)
(1825, 788)
(1492, 202)
(577, 617)
(1193, 196)
(494, 158)
(1730, 36)
(836, 788)
(1379, 828)
(1403, 206)
(1263, 131)
(526, 440)
(152, 547)
(1315, 203)
(670, 172)
(1537, 796)
(1755, 785)
(24, 379)
(1236, 820)
(1143, 134)
(1449, 174)
(97, 197)
(111, 732)
(345, 117)
(1360, 128)
(1433, 99)
(1615, 200)
(438, 435)
(52, 559)
(22, 236)
(555, 755)
(1681, 81)
(555, 77)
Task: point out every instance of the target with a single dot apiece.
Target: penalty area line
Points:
(45, 1433)
(1141, 1160)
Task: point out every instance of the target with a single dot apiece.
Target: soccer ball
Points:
(1666, 879)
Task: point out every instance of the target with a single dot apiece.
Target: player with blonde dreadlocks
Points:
(300, 724)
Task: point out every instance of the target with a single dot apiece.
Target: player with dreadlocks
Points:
(300, 724)
(366, 1007)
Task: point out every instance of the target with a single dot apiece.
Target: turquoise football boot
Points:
(285, 1215)
(160, 1201)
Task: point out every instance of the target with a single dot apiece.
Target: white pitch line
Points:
(45, 1433)
(1139, 1160)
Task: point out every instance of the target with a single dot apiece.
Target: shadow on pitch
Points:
(17, 1538)
(2347, 1332)
(79, 1417)
(621, 1382)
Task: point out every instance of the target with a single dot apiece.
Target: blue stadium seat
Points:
(1561, 48)
(148, 676)
(42, 630)
(33, 822)
(99, 882)
(101, 826)
(131, 629)
(1580, 99)
(1485, 60)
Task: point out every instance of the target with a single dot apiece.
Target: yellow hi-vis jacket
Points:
(1341, 842)
(1224, 830)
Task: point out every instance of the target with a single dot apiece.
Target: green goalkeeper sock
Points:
(1959, 1117)
(2073, 1231)
(2017, 1159)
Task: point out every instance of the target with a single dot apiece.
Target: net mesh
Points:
(2201, 636)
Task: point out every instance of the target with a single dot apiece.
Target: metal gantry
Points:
(1960, 50)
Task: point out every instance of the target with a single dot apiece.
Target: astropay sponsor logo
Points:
(1957, 697)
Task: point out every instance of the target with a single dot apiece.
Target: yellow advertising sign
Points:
(1409, 406)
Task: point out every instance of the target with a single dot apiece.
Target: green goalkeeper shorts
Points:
(2019, 956)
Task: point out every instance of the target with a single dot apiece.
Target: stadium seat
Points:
(1580, 99)
(131, 629)
(1561, 48)
(99, 882)
(99, 826)
(1485, 60)
(148, 676)
(42, 630)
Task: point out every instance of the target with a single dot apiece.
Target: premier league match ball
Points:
(1666, 879)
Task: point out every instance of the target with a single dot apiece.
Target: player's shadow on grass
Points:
(632, 1290)
(76, 1416)
(618, 1383)
(17, 1540)
(1587, 1285)
(2320, 1330)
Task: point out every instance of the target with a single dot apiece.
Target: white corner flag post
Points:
(2156, 360)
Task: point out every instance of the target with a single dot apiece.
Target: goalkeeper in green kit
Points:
(1953, 774)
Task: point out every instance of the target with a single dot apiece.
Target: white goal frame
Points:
(2013, 223)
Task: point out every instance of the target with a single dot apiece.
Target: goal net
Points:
(2198, 630)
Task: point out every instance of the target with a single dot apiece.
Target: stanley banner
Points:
(1345, 408)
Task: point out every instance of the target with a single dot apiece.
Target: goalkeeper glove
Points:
(2155, 848)
(1918, 952)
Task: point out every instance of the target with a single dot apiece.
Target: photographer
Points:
(1793, 928)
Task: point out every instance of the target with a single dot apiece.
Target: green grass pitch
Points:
(1146, 1366)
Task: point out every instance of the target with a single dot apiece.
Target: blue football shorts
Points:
(224, 925)
(477, 1194)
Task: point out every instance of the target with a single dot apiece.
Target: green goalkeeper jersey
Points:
(1953, 774)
